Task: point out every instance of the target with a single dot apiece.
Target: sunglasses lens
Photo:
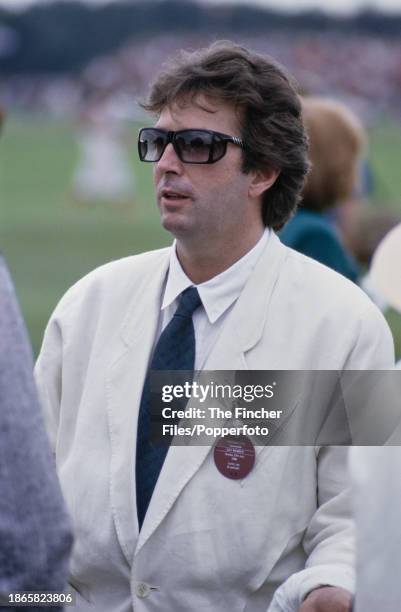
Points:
(219, 148)
(151, 145)
(194, 146)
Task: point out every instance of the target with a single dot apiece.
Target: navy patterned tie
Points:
(175, 350)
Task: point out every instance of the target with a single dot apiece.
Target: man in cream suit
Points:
(230, 157)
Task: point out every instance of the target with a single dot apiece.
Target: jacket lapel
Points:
(124, 389)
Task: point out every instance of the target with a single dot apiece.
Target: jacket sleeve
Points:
(329, 540)
(35, 536)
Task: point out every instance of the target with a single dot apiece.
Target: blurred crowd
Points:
(364, 72)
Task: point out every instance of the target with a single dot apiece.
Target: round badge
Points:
(234, 456)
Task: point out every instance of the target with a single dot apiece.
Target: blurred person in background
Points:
(336, 146)
(384, 276)
(103, 173)
(367, 227)
(35, 537)
(165, 529)
(363, 225)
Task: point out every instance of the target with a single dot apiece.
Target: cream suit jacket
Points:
(208, 543)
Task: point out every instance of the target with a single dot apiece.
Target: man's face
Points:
(202, 203)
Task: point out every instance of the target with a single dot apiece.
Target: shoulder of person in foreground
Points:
(337, 309)
(35, 537)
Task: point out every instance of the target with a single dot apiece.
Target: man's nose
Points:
(169, 161)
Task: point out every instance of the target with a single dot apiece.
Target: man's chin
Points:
(175, 225)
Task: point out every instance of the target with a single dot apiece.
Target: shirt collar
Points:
(221, 291)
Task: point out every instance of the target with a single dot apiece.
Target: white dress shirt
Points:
(218, 296)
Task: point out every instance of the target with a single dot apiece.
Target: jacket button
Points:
(142, 590)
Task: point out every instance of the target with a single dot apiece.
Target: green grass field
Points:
(50, 242)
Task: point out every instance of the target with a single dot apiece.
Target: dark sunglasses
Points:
(191, 146)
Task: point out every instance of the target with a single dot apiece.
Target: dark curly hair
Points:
(268, 105)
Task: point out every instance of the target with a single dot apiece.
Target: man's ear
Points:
(262, 180)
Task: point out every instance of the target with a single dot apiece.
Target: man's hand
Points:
(327, 599)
